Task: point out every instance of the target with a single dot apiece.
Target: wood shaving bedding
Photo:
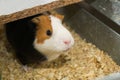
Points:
(84, 61)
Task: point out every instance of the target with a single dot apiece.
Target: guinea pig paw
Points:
(26, 68)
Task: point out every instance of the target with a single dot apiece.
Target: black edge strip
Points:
(100, 16)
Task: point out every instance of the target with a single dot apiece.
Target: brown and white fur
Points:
(39, 38)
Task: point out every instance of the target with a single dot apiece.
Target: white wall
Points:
(12, 6)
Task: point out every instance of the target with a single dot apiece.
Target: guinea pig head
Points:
(51, 36)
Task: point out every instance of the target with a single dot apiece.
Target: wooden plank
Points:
(35, 10)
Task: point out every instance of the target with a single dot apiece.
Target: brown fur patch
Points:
(43, 24)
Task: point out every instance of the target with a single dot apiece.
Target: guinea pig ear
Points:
(59, 16)
(36, 20)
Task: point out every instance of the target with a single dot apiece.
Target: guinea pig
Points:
(39, 38)
(112, 76)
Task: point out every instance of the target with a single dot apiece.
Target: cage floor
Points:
(84, 61)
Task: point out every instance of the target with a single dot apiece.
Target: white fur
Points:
(53, 47)
(113, 76)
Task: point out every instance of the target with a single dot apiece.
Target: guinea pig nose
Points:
(67, 42)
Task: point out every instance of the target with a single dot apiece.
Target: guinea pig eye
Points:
(49, 33)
